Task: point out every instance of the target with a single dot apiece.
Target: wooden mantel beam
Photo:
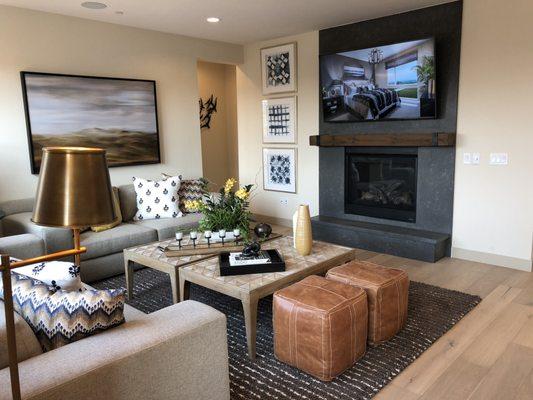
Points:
(385, 139)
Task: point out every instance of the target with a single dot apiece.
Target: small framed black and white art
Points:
(279, 69)
(279, 120)
(279, 169)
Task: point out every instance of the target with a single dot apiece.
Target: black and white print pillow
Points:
(157, 199)
(56, 274)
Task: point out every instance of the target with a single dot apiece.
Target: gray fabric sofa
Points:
(104, 249)
(179, 352)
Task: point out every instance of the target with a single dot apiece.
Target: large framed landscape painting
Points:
(119, 115)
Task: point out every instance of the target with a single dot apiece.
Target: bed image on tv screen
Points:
(390, 82)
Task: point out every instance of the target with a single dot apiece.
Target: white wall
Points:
(493, 206)
(219, 147)
(249, 117)
(36, 41)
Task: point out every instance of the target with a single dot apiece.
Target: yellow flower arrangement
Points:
(229, 185)
(193, 205)
(242, 194)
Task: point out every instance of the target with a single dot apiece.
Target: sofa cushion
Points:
(128, 202)
(27, 343)
(115, 240)
(157, 199)
(167, 227)
(59, 317)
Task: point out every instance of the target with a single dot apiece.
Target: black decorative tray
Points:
(276, 265)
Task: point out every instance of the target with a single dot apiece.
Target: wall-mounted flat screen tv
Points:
(393, 82)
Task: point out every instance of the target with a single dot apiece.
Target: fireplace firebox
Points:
(381, 183)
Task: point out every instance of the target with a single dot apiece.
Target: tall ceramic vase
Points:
(303, 236)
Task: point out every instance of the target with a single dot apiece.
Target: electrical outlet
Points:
(475, 158)
(499, 159)
(467, 158)
(283, 201)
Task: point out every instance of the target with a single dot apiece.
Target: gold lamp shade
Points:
(74, 189)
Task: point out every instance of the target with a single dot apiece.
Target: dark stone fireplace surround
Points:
(429, 237)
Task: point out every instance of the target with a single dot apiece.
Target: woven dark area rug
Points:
(432, 312)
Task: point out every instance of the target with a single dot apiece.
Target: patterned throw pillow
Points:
(56, 274)
(59, 317)
(190, 189)
(157, 199)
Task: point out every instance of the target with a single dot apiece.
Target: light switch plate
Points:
(467, 158)
(475, 158)
(499, 159)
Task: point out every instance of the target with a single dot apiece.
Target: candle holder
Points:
(179, 238)
(237, 235)
(222, 235)
(207, 235)
(193, 235)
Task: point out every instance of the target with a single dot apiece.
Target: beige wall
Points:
(219, 142)
(250, 128)
(42, 42)
(493, 215)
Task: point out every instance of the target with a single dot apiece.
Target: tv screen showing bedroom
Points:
(390, 82)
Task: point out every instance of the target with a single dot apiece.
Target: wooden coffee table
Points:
(150, 255)
(250, 288)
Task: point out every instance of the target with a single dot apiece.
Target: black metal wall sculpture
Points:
(207, 109)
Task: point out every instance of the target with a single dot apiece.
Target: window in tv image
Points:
(390, 82)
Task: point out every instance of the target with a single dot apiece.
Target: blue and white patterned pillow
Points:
(157, 199)
(59, 317)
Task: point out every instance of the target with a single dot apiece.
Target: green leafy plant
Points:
(228, 210)
(426, 71)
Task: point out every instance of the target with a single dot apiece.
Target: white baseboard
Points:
(493, 259)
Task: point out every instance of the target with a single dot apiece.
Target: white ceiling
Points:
(242, 21)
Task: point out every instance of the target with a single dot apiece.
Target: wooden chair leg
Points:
(10, 328)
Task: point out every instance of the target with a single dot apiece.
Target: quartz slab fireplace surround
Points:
(387, 186)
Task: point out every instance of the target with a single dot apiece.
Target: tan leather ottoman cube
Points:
(387, 290)
(320, 326)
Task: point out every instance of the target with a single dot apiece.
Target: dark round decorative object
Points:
(263, 230)
(251, 249)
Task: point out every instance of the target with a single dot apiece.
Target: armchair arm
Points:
(55, 239)
(179, 352)
(22, 246)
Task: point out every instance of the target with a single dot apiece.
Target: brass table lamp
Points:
(74, 191)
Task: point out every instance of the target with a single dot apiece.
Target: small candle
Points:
(179, 235)
(193, 234)
(236, 232)
(207, 234)
(222, 233)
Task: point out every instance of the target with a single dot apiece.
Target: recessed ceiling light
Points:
(93, 5)
(213, 20)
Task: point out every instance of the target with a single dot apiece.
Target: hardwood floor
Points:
(488, 355)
